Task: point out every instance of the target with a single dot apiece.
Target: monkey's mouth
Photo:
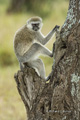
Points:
(36, 28)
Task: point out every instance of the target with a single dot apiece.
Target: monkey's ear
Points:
(40, 19)
(27, 21)
(41, 24)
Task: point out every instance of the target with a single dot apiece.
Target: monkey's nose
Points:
(36, 28)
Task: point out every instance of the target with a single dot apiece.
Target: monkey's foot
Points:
(56, 27)
(47, 81)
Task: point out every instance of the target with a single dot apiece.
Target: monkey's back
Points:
(23, 40)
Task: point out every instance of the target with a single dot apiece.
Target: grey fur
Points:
(29, 45)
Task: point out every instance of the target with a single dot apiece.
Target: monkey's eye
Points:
(36, 24)
(33, 25)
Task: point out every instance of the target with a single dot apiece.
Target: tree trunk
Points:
(60, 98)
(16, 5)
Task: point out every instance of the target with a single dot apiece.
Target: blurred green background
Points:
(13, 15)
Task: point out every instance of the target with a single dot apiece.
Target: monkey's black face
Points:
(35, 26)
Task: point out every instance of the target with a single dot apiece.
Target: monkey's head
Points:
(34, 23)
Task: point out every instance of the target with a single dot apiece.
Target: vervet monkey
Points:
(29, 45)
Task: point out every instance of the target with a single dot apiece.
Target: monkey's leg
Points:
(39, 65)
(21, 65)
(33, 53)
(46, 51)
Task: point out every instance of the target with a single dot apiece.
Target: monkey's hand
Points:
(56, 28)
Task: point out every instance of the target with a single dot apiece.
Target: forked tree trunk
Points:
(60, 98)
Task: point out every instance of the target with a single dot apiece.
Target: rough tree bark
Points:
(60, 98)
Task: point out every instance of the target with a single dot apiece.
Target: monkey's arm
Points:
(43, 40)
